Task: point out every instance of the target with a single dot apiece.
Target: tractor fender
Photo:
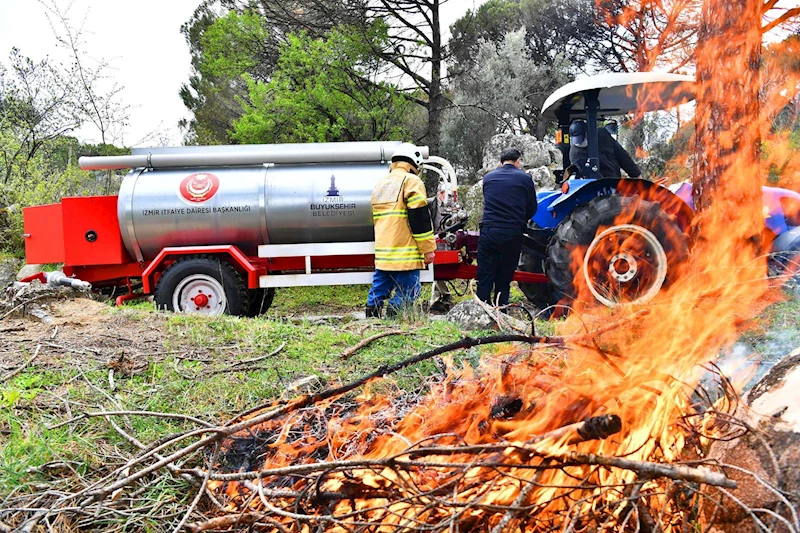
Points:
(581, 191)
(781, 209)
(781, 206)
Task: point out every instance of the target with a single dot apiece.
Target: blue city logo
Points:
(333, 191)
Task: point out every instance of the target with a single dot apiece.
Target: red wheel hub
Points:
(201, 300)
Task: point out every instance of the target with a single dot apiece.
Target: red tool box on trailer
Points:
(76, 232)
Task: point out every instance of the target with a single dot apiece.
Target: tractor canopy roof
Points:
(621, 93)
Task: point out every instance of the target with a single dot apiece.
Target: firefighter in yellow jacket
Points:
(404, 241)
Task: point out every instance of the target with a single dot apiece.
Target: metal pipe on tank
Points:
(180, 157)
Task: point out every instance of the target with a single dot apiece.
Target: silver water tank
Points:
(247, 195)
(246, 206)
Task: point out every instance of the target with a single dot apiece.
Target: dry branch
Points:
(22, 366)
(677, 472)
(225, 522)
(365, 342)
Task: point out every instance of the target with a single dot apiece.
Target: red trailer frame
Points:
(83, 233)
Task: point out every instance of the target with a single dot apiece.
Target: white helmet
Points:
(408, 152)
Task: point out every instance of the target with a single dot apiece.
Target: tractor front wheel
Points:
(202, 286)
(616, 250)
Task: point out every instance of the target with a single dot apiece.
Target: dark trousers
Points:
(498, 256)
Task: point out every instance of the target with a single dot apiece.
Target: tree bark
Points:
(437, 100)
(727, 185)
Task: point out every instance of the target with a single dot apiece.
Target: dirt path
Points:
(82, 330)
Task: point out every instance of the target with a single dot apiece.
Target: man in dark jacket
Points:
(612, 155)
(509, 202)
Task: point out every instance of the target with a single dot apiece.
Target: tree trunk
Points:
(727, 184)
(436, 102)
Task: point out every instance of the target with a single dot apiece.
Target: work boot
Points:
(372, 311)
(392, 311)
(443, 304)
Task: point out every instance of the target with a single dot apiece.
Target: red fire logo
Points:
(199, 188)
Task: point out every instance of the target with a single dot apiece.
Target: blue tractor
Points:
(620, 240)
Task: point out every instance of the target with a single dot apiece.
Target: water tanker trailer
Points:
(216, 229)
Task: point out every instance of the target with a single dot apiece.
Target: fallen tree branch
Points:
(646, 469)
(365, 342)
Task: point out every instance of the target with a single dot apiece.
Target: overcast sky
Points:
(141, 41)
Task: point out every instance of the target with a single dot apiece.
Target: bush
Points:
(34, 183)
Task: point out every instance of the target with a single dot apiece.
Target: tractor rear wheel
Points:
(616, 250)
(202, 286)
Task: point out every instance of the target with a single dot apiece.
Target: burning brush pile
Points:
(536, 439)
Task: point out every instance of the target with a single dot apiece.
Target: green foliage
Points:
(489, 23)
(38, 182)
(230, 45)
(502, 92)
(223, 49)
(323, 89)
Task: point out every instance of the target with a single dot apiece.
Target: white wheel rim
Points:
(627, 267)
(199, 294)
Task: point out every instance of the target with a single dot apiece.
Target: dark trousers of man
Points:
(498, 256)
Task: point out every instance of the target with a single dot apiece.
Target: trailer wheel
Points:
(202, 285)
(260, 301)
(616, 250)
(541, 295)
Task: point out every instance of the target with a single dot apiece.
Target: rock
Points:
(556, 158)
(28, 270)
(8, 271)
(471, 316)
(770, 453)
(304, 385)
(534, 153)
(543, 178)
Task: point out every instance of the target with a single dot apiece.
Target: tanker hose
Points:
(455, 227)
(54, 279)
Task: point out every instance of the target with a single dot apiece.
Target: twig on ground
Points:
(155, 414)
(365, 342)
(298, 403)
(274, 352)
(23, 366)
(226, 522)
(240, 366)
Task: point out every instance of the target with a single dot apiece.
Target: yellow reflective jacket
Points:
(403, 230)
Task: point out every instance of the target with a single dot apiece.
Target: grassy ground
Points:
(202, 367)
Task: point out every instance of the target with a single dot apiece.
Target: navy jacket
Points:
(509, 198)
